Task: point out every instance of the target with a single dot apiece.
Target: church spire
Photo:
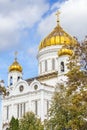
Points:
(15, 71)
(15, 54)
(15, 65)
(58, 18)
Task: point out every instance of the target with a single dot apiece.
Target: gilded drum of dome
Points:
(57, 37)
(65, 52)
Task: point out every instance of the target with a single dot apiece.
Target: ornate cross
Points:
(16, 53)
(58, 18)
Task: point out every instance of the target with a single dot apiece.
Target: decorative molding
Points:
(27, 94)
(48, 50)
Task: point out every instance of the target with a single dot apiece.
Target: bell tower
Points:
(15, 72)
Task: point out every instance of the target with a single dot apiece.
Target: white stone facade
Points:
(35, 94)
(35, 97)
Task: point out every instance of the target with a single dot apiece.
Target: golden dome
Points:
(57, 37)
(65, 52)
(15, 67)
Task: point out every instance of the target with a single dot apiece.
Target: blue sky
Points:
(24, 23)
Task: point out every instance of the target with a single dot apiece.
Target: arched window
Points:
(7, 113)
(11, 80)
(47, 106)
(45, 65)
(53, 64)
(62, 66)
(36, 107)
(17, 110)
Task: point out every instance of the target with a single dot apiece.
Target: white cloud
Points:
(16, 15)
(32, 51)
(46, 25)
(73, 18)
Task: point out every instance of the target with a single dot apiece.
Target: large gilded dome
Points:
(15, 66)
(57, 37)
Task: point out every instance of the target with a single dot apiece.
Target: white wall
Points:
(48, 53)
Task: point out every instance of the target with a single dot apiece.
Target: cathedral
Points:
(35, 94)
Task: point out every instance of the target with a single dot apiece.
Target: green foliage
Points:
(30, 122)
(14, 124)
(58, 113)
(69, 105)
(77, 87)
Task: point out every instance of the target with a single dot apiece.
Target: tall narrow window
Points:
(18, 78)
(11, 80)
(24, 108)
(53, 64)
(62, 66)
(20, 110)
(45, 65)
(7, 113)
(17, 110)
(36, 108)
(47, 106)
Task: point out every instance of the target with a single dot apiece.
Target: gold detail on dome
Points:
(65, 52)
(15, 65)
(57, 37)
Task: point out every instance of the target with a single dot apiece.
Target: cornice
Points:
(27, 94)
(48, 50)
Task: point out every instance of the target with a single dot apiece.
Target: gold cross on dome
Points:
(58, 18)
(16, 53)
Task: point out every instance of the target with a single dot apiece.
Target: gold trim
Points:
(65, 52)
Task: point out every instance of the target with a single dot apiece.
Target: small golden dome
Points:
(57, 37)
(65, 52)
(15, 67)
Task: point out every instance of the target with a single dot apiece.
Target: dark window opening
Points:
(18, 78)
(11, 80)
(45, 65)
(53, 64)
(7, 113)
(47, 106)
(62, 66)
(17, 110)
(36, 108)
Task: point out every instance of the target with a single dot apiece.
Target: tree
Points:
(14, 124)
(30, 122)
(2, 90)
(58, 113)
(77, 87)
(69, 105)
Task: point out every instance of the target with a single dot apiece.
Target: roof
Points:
(43, 77)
